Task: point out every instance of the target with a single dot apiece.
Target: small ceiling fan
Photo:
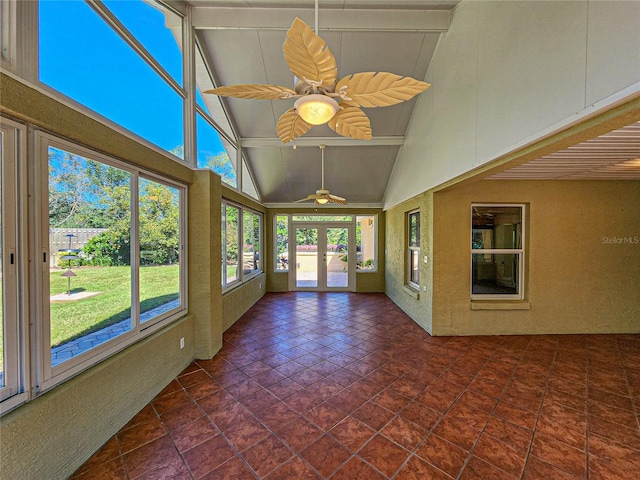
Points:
(321, 97)
(322, 196)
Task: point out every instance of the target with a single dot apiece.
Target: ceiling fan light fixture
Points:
(316, 109)
(322, 201)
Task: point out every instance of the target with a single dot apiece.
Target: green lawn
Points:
(71, 320)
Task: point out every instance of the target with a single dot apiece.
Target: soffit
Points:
(611, 156)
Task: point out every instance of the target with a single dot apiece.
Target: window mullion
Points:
(134, 239)
(189, 81)
(111, 20)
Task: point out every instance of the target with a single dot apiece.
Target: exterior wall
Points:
(205, 257)
(417, 305)
(366, 282)
(508, 73)
(51, 436)
(577, 280)
(237, 301)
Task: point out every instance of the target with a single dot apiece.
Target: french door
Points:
(321, 257)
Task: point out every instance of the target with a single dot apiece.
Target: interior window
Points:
(497, 251)
(413, 249)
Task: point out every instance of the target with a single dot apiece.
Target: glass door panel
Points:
(336, 258)
(307, 272)
(321, 257)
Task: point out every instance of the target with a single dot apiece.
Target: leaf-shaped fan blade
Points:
(308, 56)
(255, 91)
(337, 199)
(290, 126)
(381, 89)
(309, 197)
(351, 122)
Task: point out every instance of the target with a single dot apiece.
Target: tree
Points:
(159, 222)
(222, 165)
(85, 193)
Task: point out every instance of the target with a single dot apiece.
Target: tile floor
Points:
(346, 386)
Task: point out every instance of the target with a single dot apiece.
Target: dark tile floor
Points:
(346, 386)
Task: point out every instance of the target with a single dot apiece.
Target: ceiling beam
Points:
(343, 20)
(328, 141)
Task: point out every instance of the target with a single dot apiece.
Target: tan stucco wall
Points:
(205, 257)
(576, 281)
(237, 301)
(51, 436)
(416, 304)
(366, 282)
(489, 97)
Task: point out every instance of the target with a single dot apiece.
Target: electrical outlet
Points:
(181, 343)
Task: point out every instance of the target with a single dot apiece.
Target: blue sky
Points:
(82, 57)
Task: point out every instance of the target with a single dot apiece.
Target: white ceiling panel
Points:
(612, 156)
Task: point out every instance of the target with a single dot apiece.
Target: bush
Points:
(108, 249)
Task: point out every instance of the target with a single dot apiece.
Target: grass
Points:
(72, 320)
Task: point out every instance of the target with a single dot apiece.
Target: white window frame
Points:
(15, 333)
(258, 270)
(225, 283)
(241, 277)
(112, 22)
(520, 252)
(48, 376)
(411, 250)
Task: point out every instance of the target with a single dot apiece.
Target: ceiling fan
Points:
(321, 97)
(322, 196)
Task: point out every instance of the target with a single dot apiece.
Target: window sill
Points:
(493, 305)
(411, 291)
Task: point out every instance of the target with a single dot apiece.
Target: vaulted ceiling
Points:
(241, 42)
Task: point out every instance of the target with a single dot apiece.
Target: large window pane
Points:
(282, 243)
(90, 242)
(82, 57)
(212, 153)
(159, 229)
(232, 239)
(366, 243)
(248, 248)
(147, 23)
(257, 233)
(414, 229)
(496, 227)
(495, 274)
(414, 269)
